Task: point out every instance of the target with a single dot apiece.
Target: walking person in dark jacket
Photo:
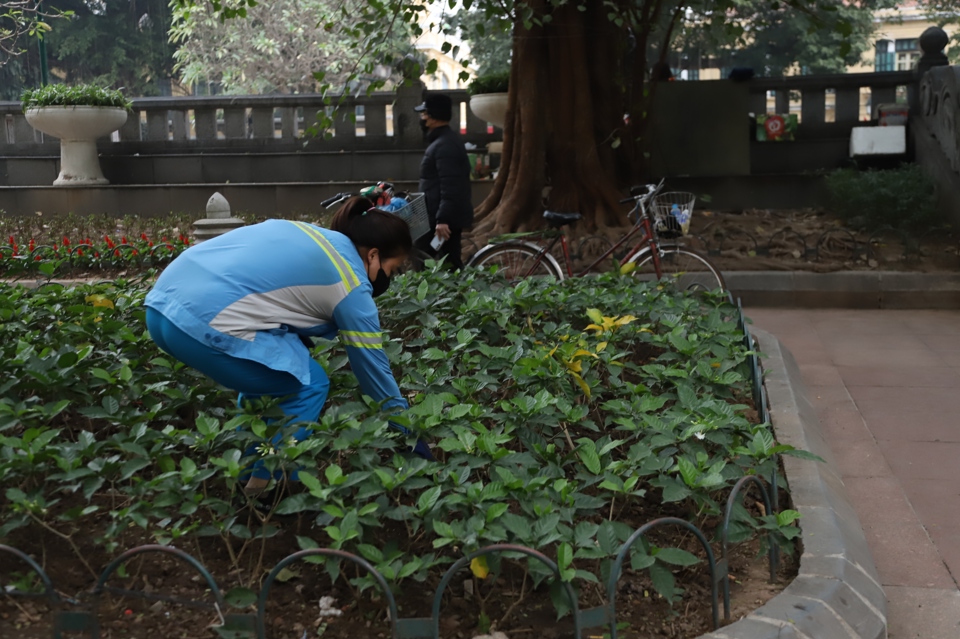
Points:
(444, 180)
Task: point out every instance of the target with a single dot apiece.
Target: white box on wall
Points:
(878, 140)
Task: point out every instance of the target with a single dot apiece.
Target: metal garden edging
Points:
(837, 592)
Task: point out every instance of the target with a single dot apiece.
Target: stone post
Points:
(932, 42)
(218, 220)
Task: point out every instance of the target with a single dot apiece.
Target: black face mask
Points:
(381, 284)
(424, 127)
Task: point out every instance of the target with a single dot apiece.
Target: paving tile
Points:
(937, 504)
(859, 458)
(921, 401)
(948, 545)
(899, 376)
(949, 357)
(856, 323)
(923, 460)
(922, 613)
(886, 424)
(835, 396)
(938, 341)
(842, 423)
(848, 356)
(879, 501)
(933, 322)
(892, 341)
(822, 375)
(905, 556)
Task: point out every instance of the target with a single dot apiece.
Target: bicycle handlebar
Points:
(339, 197)
(636, 194)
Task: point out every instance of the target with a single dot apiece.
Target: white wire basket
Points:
(672, 212)
(415, 214)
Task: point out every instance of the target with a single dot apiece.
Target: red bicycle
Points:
(656, 218)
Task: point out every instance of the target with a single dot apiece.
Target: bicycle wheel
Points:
(683, 267)
(517, 260)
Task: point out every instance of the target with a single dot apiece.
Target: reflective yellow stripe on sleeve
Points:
(361, 339)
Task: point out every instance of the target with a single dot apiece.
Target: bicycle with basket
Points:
(661, 220)
(412, 207)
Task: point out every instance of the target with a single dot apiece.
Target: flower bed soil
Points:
(292, 607)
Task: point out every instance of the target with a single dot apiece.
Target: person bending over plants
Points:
(241, 308)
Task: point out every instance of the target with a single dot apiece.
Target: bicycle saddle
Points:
(556, 220)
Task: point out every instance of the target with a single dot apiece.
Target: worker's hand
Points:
(443, 231)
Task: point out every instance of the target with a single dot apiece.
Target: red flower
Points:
(79, 252)
(33, 245)
(110, 243)
(134, 251)
(116, 252)
(123, 240)
(143, 236)
(66, 241)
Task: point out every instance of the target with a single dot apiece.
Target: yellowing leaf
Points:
(628, 268)
(602, 346)
(626, 319)
(594, 327)
(595, 315)
(581, 353)
(575, 365)
(645, 330)
(99, 300)
(715, 364)
(552, 351)
(478, 566)
(582, 384)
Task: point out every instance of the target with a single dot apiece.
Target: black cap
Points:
(438, 106)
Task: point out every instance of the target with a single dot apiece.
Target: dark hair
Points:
(370, 227)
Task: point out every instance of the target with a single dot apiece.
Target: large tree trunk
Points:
(571, 85)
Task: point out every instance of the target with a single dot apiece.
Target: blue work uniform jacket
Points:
(252, 292)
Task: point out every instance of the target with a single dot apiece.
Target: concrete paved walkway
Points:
(886, 386)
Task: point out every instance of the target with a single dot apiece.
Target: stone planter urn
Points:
(490, 107)
(78, 128)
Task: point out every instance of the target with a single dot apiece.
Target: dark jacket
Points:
(445, 179)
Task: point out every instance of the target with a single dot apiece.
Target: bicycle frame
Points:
(647, 242)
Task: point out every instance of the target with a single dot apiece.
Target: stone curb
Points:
(837, 593)
(845, 289)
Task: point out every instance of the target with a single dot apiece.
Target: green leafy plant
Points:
(903, 198)
(491, 83)
(564, 415)
(80, 95)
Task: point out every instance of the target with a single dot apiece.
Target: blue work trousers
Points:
(300, 402)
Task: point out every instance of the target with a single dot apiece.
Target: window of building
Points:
(884, 56)
(908, 52)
